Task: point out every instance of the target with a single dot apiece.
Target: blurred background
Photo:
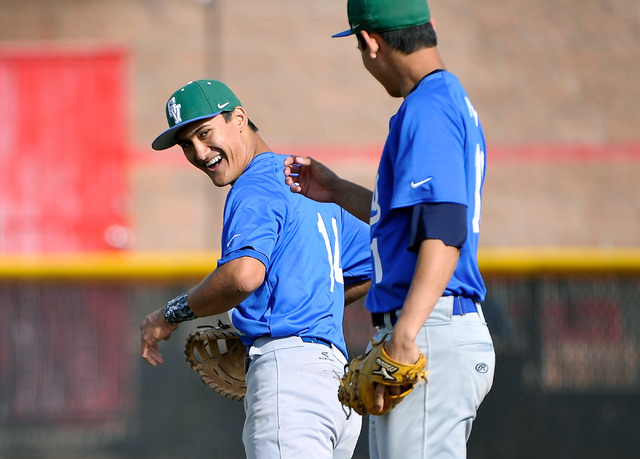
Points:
(97, 230)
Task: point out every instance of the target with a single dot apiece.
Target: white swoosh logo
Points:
(222, 106)
(232, 237)
(422, 182)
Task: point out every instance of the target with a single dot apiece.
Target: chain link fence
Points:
(72, 383)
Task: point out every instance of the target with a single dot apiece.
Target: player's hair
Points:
(227, 117)
(408, 40)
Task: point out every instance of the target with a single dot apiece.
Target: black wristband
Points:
(178, 310)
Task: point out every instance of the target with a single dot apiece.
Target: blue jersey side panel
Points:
(435, 152)
(310, 250)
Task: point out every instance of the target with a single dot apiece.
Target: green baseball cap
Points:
(383, 15)
(197, 100)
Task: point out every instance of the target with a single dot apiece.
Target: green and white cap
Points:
(384, 15)
(195, 101)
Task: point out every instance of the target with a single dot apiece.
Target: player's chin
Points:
(218, 178)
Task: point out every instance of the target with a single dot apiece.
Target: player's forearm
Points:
(227, 286)
(353, 198)
(434, 268)
(354, 292)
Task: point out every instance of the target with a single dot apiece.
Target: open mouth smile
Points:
(213, 162)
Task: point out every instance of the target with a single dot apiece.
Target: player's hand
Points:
(309, 177)
(153, 329)
(402, 352)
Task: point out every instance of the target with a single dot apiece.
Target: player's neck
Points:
(257, 145)
(415, 66)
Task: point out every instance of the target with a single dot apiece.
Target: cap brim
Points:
(346, 33)
(168, 138)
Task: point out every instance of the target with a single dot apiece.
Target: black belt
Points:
(313, 339)
(461, 306)
(380, 319)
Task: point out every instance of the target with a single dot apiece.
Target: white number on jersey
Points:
(377, 263)
(335, 271)
(479, 175)
(472, 111)
(375, 207)
(375, 217)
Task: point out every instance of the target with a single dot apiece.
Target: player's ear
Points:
(240, 117)
(373, 42)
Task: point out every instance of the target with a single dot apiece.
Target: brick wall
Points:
(544, 73)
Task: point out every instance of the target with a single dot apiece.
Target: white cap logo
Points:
(174, 110)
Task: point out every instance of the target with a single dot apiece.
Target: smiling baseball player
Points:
(287, 267)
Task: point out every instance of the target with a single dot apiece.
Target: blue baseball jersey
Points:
(434, 153)
(310, 250)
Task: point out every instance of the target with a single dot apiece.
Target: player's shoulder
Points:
(262, 172)
(262, 164)
(259, 182)
(437, 94)
(433, 88)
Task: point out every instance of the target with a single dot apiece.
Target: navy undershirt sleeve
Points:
(445, 221)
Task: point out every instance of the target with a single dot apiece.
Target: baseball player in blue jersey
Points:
(424, 215)
(287, 267)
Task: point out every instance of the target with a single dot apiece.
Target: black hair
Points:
(228, 115)
(408, 40)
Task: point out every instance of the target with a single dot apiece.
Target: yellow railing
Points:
(559, 260)
(109, 265)
(160, 265)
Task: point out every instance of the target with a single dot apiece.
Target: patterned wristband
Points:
(178, 310)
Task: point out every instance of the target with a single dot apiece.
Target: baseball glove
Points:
(357, 387)
(218, 356)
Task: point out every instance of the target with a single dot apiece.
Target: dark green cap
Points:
(383, 15)
(197, 100)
